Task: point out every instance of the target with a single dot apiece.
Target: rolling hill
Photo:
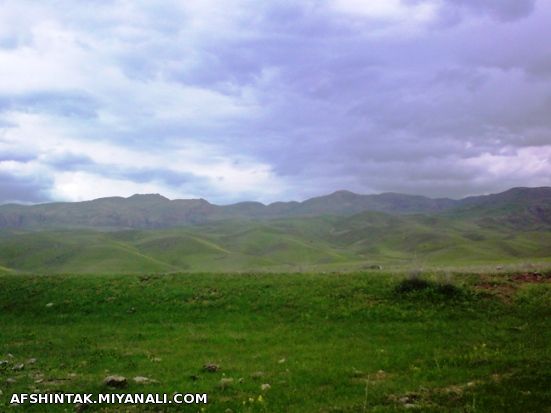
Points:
(151, 234)
(510, 227)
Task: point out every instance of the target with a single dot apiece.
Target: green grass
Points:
(325, 343)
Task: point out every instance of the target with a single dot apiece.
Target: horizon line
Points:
(271, 203)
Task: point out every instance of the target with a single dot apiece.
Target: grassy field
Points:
(323, 342)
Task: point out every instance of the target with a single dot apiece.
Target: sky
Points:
(272, 100)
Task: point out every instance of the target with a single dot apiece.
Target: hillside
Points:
(517, 208)
(292, 244)
(149, 233)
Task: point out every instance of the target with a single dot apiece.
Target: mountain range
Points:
(155, 211)
(343, 230)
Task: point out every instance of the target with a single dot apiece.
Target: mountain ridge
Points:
(152, 234)
(144, 211)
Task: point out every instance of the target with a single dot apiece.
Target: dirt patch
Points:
(506, 288)
(531, 277)
(503, 291)
(438, 397)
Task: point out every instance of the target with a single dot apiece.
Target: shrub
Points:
(412, 284)
(426, 287)
(448, 290)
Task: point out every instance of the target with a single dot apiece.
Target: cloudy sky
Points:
(272, 100)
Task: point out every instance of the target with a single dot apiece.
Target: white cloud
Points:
(82, 186)
(530, 165)
(229, 175)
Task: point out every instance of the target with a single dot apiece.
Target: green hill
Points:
(465, 237)
(75, 252)
(151, 234)
(518, 208)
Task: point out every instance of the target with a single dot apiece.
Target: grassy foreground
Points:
(323, 343)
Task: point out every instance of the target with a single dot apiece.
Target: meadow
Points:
(308, 342)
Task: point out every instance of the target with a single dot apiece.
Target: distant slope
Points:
(74, 251)
(347, 203)
(151, 234)
(4, 270)
(290, 244)
(519, 207)
(137, 211)
(438, 239)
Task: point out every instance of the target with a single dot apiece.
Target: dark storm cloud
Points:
(504, 10)
(27, 189)
(363, 106)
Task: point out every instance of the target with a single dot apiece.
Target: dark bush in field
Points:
(449, 290)
(412, 284)
(419, 285)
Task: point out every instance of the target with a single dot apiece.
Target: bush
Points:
(412, 284)
(448, 290)
(426, 287)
